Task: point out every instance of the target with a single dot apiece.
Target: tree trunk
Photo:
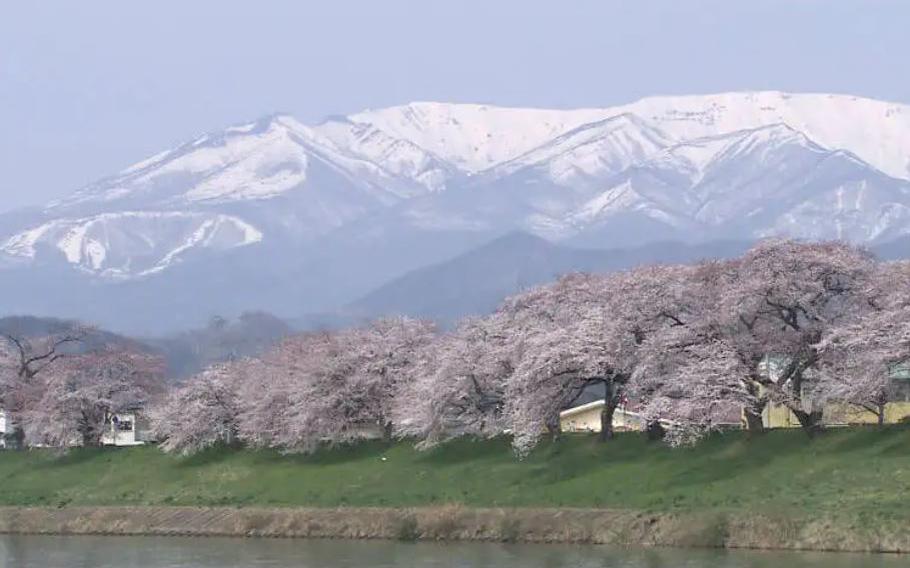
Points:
(387, 432)
(880, 415)
(88, 438)
(18, 438)
(753, 413)
(810, 421)
(606, 422)
(754, 422)
(90, 435)
(554, 429)
(655, 431)
(606, 415)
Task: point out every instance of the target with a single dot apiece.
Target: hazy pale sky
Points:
(89, 87)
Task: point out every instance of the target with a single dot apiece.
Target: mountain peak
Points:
(592, 152)
(694, 157)
(766, 140)
(777, 133)
(475, 137)
(262, 124)
(830, 120)
(519, 238)
(272, 212)
(536, 169)
(626, 121)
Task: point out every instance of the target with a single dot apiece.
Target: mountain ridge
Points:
(476, 281)
(322, 214)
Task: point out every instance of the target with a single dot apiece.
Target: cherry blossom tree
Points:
(276, 408)
(77, 395)
(786, 295)
(459, 385)
(686, 374)
(201, 413)
(32, 355)
(8, 372)
(691, 344)
(858, 359)
(23, 358)
(694, 386)
(360, 379)
(585, 330)
(333, 386)
(559, 348)
(9, 388)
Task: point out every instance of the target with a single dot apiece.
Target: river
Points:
(173, 552)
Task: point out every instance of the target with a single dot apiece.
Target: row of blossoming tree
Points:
(59, 390)
(686, 342)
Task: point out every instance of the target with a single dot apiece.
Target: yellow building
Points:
(586, 418)
(840, 414)
(779, 416)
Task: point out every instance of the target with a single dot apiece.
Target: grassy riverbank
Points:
(853, 474)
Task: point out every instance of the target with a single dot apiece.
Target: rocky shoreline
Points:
(589, 526)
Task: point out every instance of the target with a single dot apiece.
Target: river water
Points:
(172, 552)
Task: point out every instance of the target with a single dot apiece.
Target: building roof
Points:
(731, 414)
(582, 408)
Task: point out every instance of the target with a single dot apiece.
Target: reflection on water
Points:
(171, 552)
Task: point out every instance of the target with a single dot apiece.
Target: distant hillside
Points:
(477, 281)
(250, 334)
(185, 353)
(26, 326)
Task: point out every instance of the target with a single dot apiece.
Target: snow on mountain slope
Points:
(274, 177)
(405, 151)
(255, 161)
(534, 191)
(766, 181)
(590, 152)
(763, 169)
(478, 137)
(475, 137)
(876, 131)
(400, 157)
(858, 210)
(760, 163)
(274, 214)
(652, 200)
(132, 243)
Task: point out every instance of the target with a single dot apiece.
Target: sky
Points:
(88, 88)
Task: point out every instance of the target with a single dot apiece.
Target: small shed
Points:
(127, 427)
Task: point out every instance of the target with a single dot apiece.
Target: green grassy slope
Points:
(855, 472)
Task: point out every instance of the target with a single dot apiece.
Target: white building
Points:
(6, 428)
(126, 428)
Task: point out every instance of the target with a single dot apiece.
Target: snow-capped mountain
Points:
(257, 161)
(588, 153)
(767, 181)
(434, 179)
(213, 193)
(133, 243)
(473, 138)
(877, 132)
